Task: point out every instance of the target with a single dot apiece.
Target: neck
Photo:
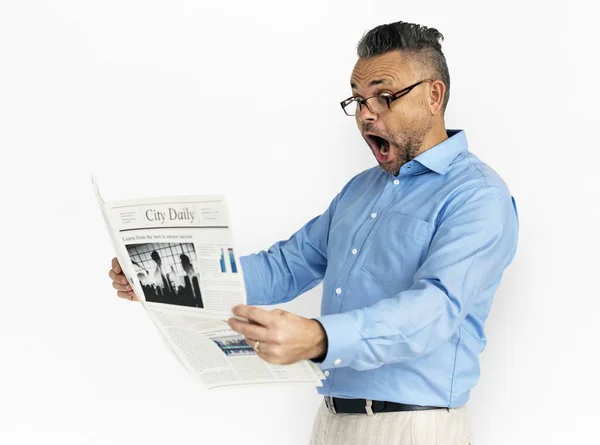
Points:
(436, 136)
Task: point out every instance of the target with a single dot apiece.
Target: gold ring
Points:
(256, 344)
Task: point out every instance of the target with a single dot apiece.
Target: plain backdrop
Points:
(242, 98)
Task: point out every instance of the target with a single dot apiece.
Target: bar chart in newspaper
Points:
(228, 262)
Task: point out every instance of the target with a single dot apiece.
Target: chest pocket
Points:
(398, 246)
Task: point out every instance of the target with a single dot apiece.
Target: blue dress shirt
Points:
(409, 265)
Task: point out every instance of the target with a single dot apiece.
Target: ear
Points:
(437, 91)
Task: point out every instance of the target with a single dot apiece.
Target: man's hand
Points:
(284, 337)
(120, 282)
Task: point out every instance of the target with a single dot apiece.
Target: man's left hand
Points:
(284, 337)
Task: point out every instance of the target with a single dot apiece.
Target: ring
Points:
(256, 344)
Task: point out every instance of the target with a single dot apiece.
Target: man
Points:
(410, 254)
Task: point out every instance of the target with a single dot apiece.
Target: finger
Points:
(264, 356)
(117, 278)
(115, 265)
(248, 330)
(265, 349)
(253, 313)
(128, 295)
(269, 358)
(122, 287)
(262, 353)
(251, 342)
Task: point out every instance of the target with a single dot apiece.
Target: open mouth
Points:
(380, 147)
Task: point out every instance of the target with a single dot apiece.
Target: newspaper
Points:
(179, 258)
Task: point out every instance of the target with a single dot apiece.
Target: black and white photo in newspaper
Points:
(179, 257)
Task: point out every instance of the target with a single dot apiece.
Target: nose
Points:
(364, 114)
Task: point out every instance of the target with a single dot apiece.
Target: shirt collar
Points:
(439, 157)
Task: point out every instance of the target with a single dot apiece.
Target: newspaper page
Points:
(179, 258)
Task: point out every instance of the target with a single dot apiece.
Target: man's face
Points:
(395, 135)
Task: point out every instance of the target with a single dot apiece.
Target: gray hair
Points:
(420, 43)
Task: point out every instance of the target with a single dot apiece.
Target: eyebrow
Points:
(373, 83)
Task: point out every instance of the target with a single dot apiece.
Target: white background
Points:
(242, 98)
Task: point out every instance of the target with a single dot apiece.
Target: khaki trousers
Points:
(431, 427)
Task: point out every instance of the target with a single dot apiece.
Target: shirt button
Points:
(354, 251)
(326, 373)
(337, 361)
(396, 182)
(373, 215)
(338, 290)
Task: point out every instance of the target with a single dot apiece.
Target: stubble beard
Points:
(404, 150)
(404, 145)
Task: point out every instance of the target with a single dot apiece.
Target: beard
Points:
(404, 146)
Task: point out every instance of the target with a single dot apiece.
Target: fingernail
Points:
(124, 281)
(128, 288)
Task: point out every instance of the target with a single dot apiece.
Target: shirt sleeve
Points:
(292, 267)
(475, 240)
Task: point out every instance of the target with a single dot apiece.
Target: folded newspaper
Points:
(178, 255)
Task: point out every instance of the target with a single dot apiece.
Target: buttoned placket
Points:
(392, 187)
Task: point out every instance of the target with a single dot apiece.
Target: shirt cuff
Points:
(343, 340)
(320, 358)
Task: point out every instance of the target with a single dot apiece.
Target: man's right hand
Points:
(120, 282)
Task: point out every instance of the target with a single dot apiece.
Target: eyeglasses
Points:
(375, 104)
